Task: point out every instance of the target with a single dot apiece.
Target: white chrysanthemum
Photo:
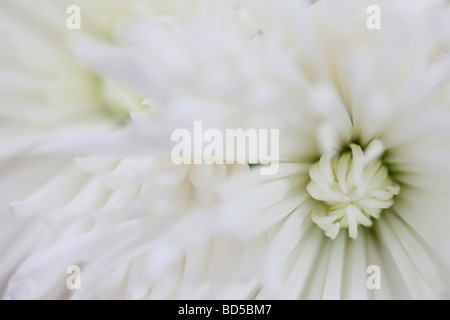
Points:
(364, 127)
(120, 218)
(43, 92)
(380, 170)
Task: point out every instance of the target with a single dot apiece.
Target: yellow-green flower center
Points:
(354, 188)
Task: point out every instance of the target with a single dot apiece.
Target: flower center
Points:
(119, 101)
(354, 187)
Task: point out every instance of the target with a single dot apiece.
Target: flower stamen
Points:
(354, 187)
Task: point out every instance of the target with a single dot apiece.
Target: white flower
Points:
(363, 118)
(363, 180)
(106, 214)
(380, 169)
(43, 93)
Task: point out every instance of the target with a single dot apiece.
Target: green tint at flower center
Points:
(354, 188)
(119, 101)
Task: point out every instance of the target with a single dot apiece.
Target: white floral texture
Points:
(364, 176)
(69, 209)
